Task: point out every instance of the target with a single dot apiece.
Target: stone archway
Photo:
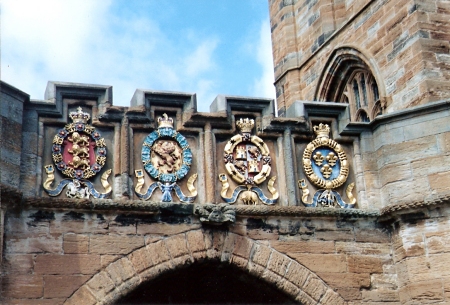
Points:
(207, 282)
(180, 250)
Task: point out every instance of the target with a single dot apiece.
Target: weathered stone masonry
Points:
(392, 248)
(95, 251)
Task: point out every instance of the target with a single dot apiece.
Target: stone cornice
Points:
(11, 198)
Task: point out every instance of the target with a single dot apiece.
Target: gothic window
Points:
(361, 92)
(348, 79)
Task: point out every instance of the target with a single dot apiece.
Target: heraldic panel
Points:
(248, 162)
(326, 166)
(166, 158)
(79, 153)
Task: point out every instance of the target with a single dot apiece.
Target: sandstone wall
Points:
(387, 249)
(89, 257)
(405, 44)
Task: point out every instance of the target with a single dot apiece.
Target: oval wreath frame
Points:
(165, 133)
(307, 163)
(265, 157)
(100, 154)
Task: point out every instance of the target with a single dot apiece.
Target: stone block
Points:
(177, 245)
(364, 248)
(406, 191)
(415, 269)
(114, 244)
(67, 264)
(440, 182)
(346, 280)
(335, 235)
(427, 128)
(260, 255)
(242, 246)
(444, 142)
(101, 284)
(62, 286)
(42, 243)
(407, 150)
(427, 292)
(82, 296)
(430, 165)
(120, 271)
(366, 264)
(239, 262)
(297, 274)
(140, 259)
(301, 246)
(39, 301)
(165, 229)
(288, 288)
(19, 263)
(196, 241)
(349, 293)
(155, 271)
(214, 243)
(395, 172)
(438, 264)
(228, 247)
(255, 269)
(260, 234)
(380, 295)
(371, 235)
(23, 286)
(158, 252)
(314, 287)
(438, 242)
(75, 243)
(107, 259)
(332, 297)
(127, 286)
(305, 299)
(322, 262)
(278, 263)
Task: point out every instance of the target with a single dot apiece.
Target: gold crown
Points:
(245, 125)
(79, 116)
(322, 131)
(165, 121)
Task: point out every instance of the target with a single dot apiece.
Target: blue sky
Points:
(208, 47)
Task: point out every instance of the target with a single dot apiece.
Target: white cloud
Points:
(83, 41)
(42, 39)
(201, 59)
(263, 86)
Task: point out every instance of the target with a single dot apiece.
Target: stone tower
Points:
(388, 62)
(399, 47)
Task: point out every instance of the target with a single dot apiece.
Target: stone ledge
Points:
(13, 198)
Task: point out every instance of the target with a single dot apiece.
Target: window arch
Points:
(361, 93)
(347, 78)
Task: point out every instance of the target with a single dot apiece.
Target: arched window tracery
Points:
(348, 79)
(361, 93)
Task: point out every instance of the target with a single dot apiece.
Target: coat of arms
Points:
(326, 166)
(248, 162)
(166, 157)
(79, 153)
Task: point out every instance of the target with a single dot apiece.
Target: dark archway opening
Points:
(207, 283)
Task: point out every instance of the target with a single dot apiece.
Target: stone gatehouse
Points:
(341, 199)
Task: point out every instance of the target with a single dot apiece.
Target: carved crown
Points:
(245, 125)
(322, 131)
(165, 121)
(79, 116)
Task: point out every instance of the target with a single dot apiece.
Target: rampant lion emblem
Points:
(168, 154)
